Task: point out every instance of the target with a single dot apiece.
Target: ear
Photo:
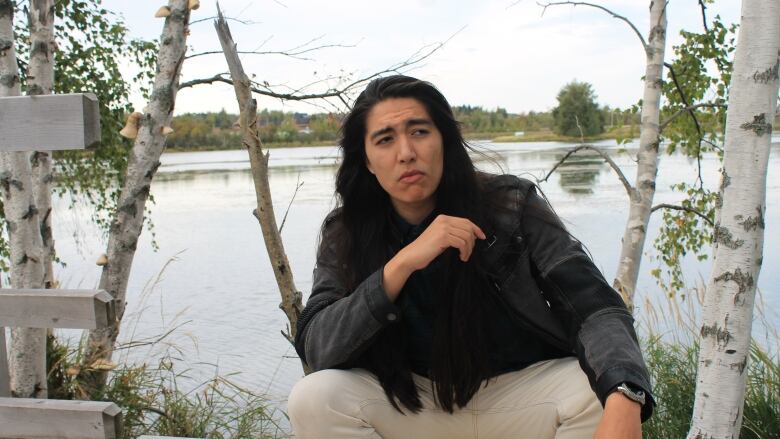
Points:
(369, 167)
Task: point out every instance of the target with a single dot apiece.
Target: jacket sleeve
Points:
(337, 324)
(596, 319)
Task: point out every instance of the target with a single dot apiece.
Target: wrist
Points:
(621, 402)
(395, 274)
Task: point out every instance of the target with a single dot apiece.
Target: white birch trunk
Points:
(641, 197)
(27, 362)
(739, 231)
(40, 81)
(143, 163)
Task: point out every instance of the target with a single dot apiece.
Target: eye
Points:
(384, 140)
(419, 132)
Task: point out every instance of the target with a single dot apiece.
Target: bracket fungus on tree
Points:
(163, 12)
(130, 130)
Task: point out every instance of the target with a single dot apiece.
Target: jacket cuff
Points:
(612, 378)
(383, 310)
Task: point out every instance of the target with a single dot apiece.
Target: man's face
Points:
(404, 151)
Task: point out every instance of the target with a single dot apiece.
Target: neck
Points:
(414, 213)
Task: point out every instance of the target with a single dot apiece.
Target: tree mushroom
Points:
(130, 130)
(166, 131)
(102, 260)
(194, 4)
(163, 12)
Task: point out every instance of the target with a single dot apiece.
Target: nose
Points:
(406, 152)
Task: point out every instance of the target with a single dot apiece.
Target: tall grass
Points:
(161, 401)
(671, 351)
(158, 397)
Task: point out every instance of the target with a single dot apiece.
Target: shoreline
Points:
(498, 137)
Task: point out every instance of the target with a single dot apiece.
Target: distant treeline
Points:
(220, 130)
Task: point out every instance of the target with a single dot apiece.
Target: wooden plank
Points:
(49, 122)
(5, 383)
(78, 309)
(25, 418)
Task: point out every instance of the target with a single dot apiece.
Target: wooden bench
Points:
(47, 418)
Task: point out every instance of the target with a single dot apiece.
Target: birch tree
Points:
(739, 230)
(641, 194)
(149, 129)
(40, 81)
(27, 363)
(641, 197)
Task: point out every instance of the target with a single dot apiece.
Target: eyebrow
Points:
(410, 122)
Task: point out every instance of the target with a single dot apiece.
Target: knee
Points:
(315, 393)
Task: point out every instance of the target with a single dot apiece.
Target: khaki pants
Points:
(550, 399)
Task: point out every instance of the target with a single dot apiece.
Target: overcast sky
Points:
(499, 53)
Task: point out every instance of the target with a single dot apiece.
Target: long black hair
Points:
(367, 240)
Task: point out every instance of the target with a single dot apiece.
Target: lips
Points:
(411, 176)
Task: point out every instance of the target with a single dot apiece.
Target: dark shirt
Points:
(510, 345)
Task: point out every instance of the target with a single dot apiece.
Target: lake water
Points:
(211, 278)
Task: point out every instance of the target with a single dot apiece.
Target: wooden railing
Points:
(49, 418)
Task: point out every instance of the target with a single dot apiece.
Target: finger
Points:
(469, 241)
(459, 243)
(468, 225)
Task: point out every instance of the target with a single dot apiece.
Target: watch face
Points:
(637, 395)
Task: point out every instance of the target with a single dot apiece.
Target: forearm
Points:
(346, 326)
(395, 274)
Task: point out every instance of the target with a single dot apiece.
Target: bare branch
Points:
(688, 109)
(681, 208)
(604, 155)
(704, 16)
(237, 20)
(339, 93)
(614, 15)
(283, 96)
(291, 297)
(292, 53)
(298, 184)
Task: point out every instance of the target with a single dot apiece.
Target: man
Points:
(449, 303)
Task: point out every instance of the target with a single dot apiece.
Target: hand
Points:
(621, 419)
(444, 232)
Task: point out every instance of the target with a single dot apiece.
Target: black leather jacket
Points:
(549, 283)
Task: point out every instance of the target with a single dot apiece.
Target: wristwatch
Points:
(633, 393)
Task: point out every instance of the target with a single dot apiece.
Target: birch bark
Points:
(143, 163)
(739, 230)
(27, 362)
(641, 196)
(40, 81)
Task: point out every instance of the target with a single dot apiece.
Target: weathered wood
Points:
(4, 378)
(291, 297)
(26, 418)
(70, 121)
(76, 309)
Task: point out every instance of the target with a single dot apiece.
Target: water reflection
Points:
(579, 173)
